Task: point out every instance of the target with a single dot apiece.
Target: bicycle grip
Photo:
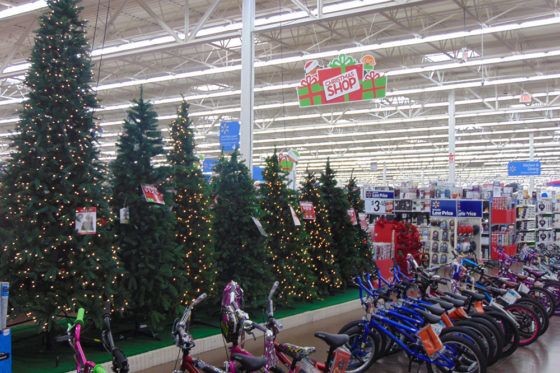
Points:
(80, 316)
(273, 289)
(200, 298)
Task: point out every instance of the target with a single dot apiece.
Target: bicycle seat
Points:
(520, 276)
(534, 271)
(555, 267)
(473, 294)
(507, 282)
(294, 351)
(433, 308)
(446, 305)
(333, 340)
(497, 291)
(250, 363)
(430, 318)
(456, 296)
(453, 301)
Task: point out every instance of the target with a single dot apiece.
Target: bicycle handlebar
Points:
(80, 317)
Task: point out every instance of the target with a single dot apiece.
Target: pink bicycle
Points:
(82, 364)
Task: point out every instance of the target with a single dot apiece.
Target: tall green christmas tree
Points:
(53, 172)
(321, 239)
(154, 280)
(346, 242)
(241, 253)
(193, 225)
(288, 243)
(356, 202)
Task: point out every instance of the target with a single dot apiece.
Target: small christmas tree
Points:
(193, 225)
(321, 240)
(353, 194)
(287, 243)
(53, 171)
(346, 242)
(155, 278)
(241, 253)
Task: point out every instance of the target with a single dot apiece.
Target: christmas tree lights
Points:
(365, 251)
(53, 171)
(321, 240)
(288, 244)
(193, 225)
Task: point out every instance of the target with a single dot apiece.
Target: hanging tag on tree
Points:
(297, 223)
(124, 215)
(363, 220)
(86, 220)
(352, 215)
(259, 226)
(307, 209)
(152, 194)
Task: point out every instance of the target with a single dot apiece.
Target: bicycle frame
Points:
(82, 364)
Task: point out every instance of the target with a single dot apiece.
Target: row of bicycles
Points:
(462, 316)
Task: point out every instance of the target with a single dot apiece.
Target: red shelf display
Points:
(511, 250)
(503, 216)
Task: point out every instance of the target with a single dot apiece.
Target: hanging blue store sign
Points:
(229, 136)
(469, 209)
(257, 173)
(524, 168)
(380, 194)
(208, 165)
(444, 208)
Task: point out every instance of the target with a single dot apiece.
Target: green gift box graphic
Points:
(374, 86)
(310, 92)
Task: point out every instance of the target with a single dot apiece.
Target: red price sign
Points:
(152, 194)
(308, 210)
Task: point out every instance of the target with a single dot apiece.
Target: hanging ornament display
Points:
(86, 220)
(124, 215)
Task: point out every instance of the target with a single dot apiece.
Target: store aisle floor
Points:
(542, 356)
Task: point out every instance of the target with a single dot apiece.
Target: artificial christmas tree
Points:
(54, 172)
(191, 205)
(288, 243)
(346, 242)
(154, 275)
(241, 253)
(356, 203)
(320, 235)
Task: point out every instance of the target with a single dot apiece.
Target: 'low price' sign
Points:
(379, 202)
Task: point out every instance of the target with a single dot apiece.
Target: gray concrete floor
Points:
(542, 356)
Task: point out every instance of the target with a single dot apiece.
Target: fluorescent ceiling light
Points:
(451, 55)
(24, 8)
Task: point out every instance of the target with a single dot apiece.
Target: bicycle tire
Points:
(554, 288)
(498, 334)
(539, 310)
(491, 349)
(528, 323)
(466, 332)
(545, 298)
(376, 335)
(466, 354)
(362, 355)
(511, 334)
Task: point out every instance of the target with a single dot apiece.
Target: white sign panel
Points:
(379, 202)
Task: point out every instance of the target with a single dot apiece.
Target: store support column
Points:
(531, 158)
(247, 83)
(451, 133)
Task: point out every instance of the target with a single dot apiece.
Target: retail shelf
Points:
(544, 229)
(525, 219)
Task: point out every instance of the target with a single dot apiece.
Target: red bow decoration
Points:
(309, 80)
(372, 75)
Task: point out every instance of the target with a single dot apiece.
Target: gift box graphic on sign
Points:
(374, 86)
(310, 92)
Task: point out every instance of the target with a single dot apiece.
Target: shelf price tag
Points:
(379, 202)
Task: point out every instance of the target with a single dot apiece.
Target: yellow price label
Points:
(540, 261)
(546, 259)
(472, 283)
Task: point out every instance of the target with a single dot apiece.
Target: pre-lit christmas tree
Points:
(356, 202)
(155, 279)
(241, 253)
(346, 243)
(53, 171)
(193, 225)
(287, 243)
(321, 241)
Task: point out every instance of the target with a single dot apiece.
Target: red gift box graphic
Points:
(374, 86)
(342, 80)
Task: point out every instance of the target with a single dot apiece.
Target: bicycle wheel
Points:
(545, 298)
(464, 355)
(553, 287)
(540, 312)
(498, 335)
(511, 334)
(362, 349)
(528, 323)
(377, 336)
(467, 333)
(490, 350)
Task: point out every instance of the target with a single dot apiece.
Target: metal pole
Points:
(531, 158)
(451, 135)
(384, 174)
(247, 84)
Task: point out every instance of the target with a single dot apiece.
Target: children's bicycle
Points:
(185, 342)
(120, 361)
(73, 331)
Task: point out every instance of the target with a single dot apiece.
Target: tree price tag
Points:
(152, 194)
(86, 220)
(523, 289)
(379, 202)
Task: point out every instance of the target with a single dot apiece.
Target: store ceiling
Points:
(511, 47)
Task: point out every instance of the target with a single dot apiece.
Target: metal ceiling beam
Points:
(116, 14)
(203, 20)
(304, 8)
(159, 20)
